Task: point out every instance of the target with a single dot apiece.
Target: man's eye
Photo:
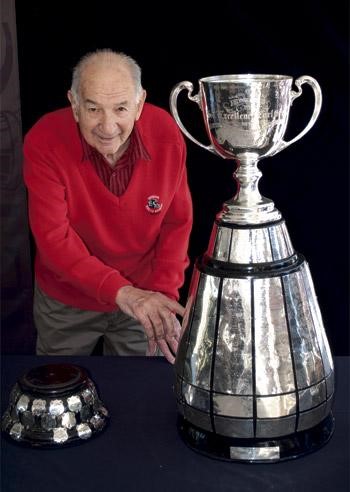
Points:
(92, 110)
(121, 109)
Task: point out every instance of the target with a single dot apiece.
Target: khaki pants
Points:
(65, 330)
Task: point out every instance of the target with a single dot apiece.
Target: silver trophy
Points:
(254, 372)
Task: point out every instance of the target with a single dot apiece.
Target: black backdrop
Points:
(176, 41)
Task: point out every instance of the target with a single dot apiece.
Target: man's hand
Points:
(156, 313)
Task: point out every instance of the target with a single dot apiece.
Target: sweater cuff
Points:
(108, 289)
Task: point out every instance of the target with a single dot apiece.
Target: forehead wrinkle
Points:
(106, 89)
(101, 75)
(119, 103)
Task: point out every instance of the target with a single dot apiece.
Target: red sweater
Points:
(91, 242)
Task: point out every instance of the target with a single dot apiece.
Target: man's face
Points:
(107, 108)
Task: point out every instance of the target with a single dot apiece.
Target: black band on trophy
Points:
(218, 268)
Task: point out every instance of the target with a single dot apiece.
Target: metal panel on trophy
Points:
(254, 372)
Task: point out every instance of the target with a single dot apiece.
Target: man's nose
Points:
(108, 124)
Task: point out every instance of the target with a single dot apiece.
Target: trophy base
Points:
(52, 406)
(261, 213)
(241, 450)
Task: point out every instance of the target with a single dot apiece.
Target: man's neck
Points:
(113, 159)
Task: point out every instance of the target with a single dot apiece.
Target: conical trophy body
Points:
(254, 372)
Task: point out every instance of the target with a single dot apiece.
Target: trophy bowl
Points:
(245, 118)
(54, 405)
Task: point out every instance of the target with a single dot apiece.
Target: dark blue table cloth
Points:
(141, 449)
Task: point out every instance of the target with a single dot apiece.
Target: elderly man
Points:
(111, 214)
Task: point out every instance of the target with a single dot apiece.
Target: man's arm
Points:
(61, 248)
(156, 308)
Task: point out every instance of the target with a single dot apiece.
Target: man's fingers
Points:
(157, 314)
(175, 307)
(176, 327)
(151, 347)
(173, 344)
(167, 323)
(159, 326)
(148, 326)
(162, 344)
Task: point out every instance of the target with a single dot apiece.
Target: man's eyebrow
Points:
(90, 101)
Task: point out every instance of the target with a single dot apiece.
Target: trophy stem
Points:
(248, 206)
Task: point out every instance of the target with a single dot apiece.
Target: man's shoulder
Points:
(152, 111)
(157, 122)
(54, 125)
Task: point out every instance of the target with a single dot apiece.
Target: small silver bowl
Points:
(54, 405)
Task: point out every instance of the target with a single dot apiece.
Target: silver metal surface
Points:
(74, 403)
(196, 397)
(330, 384)
(245, 117)
(275, 406)
(234, 427)
(281, 245)
(306, 352)
(312, 417)
(97, 421)
(22, 403)
(233, 361)
(84, 431)
(273, 360)
(275, 427)
(312, 397)
(200, 419)
(233, 406)
(254, 454)
(87, 395)
(56, 407)
(200, 344)
(250, 246)
(220, 249)
(68, 420)
(38, 406)
(16, 430)
(60, 435)
(317, 320)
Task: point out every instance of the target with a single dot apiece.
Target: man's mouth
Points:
(105, 139)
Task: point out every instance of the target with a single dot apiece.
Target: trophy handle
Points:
(304, 79)
(173, 107)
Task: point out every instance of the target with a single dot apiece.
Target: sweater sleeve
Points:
(60, 248)
(171, 258)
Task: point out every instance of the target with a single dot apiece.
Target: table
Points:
(141, 449)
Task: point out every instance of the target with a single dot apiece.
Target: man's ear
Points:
(140, 104)
(74, 105)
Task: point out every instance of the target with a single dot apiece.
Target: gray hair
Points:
(130, 63)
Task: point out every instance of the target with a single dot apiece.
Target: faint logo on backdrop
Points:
(17, 333)
(10, 119)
